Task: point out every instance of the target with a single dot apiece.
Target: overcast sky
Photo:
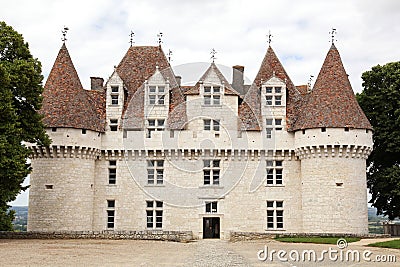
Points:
(368, 33)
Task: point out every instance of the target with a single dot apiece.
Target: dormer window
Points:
(156, 95)
(114, 95)
(273, 96)
(212, 95)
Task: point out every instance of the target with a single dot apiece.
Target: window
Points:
(272, 124)
(212, 95)
(114, 99)
(83, 131)
(273, 96)
(155, 172)
(274, 214)
(274, 172)
(110, 213)
(211, 125)
(211, 207)
(113, 125)
(112, 172)
(156, 95)
(154, 214)
(211, 172)
(154, 125)
(54, 129)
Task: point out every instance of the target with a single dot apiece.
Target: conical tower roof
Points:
(250, 110)
(332, 102)
(66, 103)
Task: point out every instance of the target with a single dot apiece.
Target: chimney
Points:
(96, 83)
(237, 79)
(178, 80)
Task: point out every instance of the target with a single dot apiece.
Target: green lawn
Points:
(388, 244)
(317, 240)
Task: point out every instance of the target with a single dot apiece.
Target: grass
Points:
(388, 244)
(316, 240)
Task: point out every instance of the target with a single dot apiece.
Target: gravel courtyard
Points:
(159, 253)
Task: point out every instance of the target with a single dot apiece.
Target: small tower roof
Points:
(66, 103)
(250, 111)
(332, 102)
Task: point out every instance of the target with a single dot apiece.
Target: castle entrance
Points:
(211, 227)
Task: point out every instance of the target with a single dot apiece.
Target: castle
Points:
(142, 152)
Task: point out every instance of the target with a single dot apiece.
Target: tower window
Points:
(323, 129)
(112, 172)
(110, 213)
(211, 125)
(271, 125)
(273, 96)
(113, 125)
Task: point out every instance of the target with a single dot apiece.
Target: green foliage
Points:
(20, 94)
(388, 244)
(316, 239)
(380, 101)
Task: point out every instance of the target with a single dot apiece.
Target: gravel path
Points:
(216, 253)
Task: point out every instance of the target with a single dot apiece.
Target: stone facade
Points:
(210, 176)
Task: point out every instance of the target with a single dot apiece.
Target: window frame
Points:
(274, 172)
(111, 214)
(112, 172)
(211, 172)
(275, 215)
(157, 97)
(154, 214)
(157, 126)
(212, 95)
(155, 172)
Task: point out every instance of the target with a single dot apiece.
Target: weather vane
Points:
(333, 33)
(213, 52)
(269, 37)
(131, 40)
(169, 55)
(309, 82)
(64, 33)
(159, 38)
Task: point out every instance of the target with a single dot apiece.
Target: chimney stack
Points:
(178, 80)
(96, 83)
(237, 79)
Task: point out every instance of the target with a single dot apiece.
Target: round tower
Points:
(62, 181)
(333, 139)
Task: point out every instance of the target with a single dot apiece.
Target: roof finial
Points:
(213, 52)
(169, 55)
(64, 33)
(269, 38)
(333, 34)
(131, 40)
(159, 35)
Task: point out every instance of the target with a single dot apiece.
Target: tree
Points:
(20, 94)
(380, 100)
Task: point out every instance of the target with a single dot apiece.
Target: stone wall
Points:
(178, 236)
